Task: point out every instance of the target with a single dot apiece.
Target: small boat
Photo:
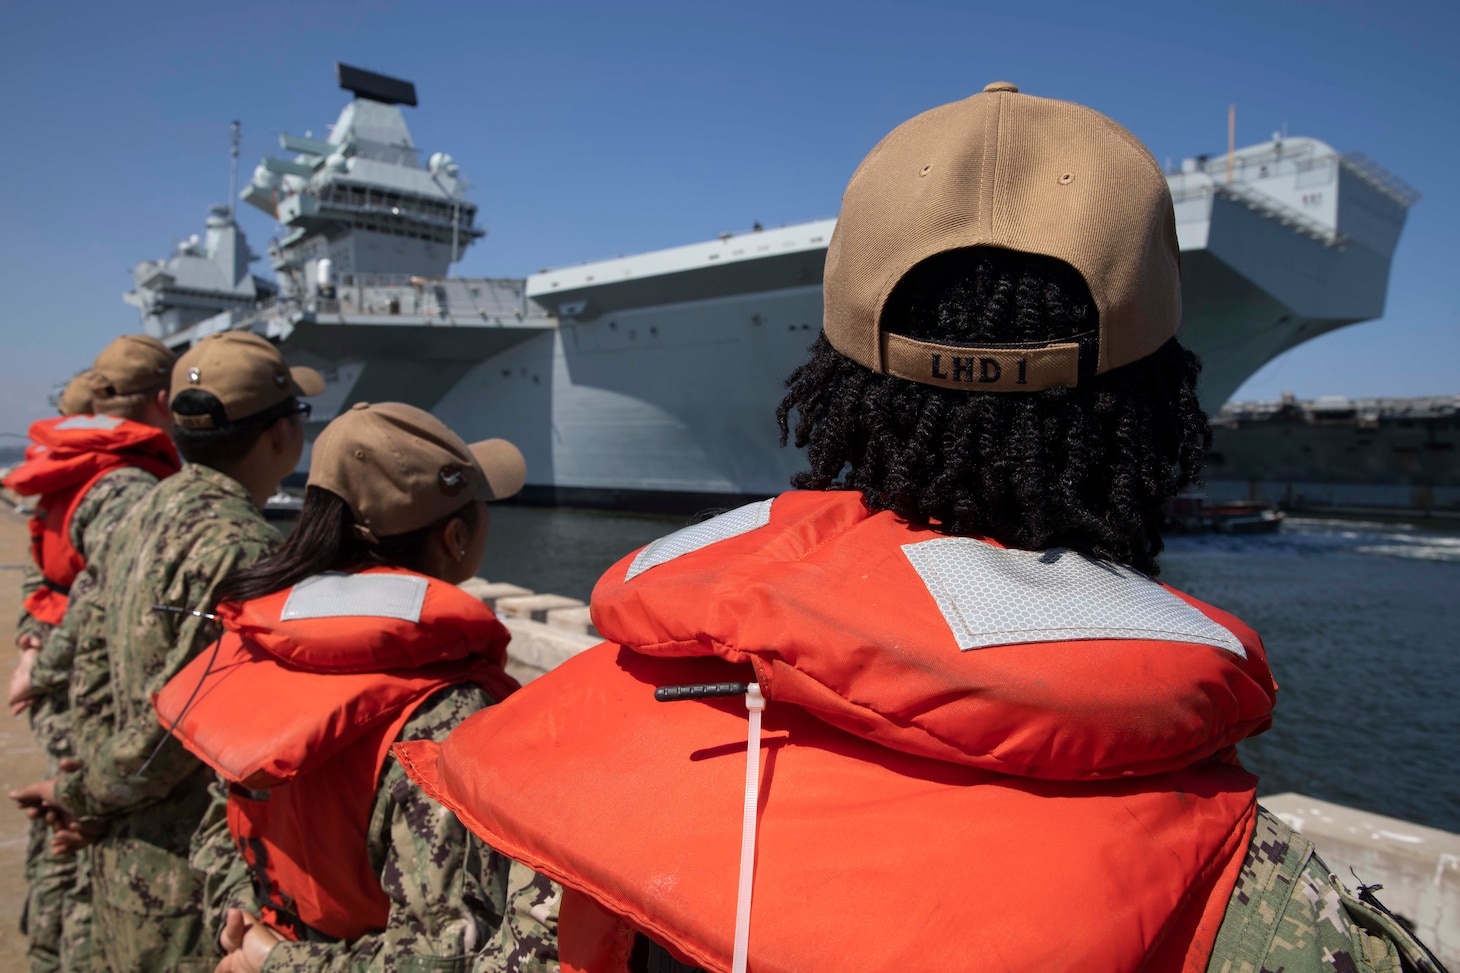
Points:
(1193, 513)
(1244, 517)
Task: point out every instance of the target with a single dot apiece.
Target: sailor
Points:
(86, 469)
(79, 463)
(30, 632)
(981, 735)
(350, 636)
(139, 796)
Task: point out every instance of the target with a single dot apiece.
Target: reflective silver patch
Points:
(732, 524)
(337, 595)
(89, 422)
(990, 596)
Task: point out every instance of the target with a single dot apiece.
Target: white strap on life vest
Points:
(755, 704)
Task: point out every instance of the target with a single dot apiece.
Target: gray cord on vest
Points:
(207, 671)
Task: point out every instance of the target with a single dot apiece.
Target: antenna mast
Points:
(1231, 141)
(233, 172)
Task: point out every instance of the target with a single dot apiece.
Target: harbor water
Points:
(1361, 623)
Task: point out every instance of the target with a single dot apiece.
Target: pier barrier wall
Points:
(547, 630)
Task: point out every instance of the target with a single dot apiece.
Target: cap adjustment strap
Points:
(989, 368)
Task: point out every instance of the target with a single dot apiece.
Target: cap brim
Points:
(505, 469)
(306, 381)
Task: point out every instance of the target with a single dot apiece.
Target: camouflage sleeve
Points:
(1289, 913)
(52, 670)
(75, 671)
(89, 699)
(139, 764)
(28, 624)
(527, 940)
(54, 719)
(227, 882)
(108, 503)
(447, 890)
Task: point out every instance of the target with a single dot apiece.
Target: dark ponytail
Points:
(325, 539)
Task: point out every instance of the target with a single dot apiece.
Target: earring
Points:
(461, 552)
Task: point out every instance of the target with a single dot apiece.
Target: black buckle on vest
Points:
(238, 790)
(670, 694)
(59, 589)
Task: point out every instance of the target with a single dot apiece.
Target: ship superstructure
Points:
(204, 277)
(653, 379)
(360, 204)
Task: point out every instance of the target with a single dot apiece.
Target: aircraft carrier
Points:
(651, 381)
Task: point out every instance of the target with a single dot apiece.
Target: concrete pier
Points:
(547, 630)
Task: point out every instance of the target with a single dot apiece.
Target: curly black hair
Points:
(1088, 468)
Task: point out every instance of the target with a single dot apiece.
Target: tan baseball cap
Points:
(245, 373)
(1009, 170)
(131, 363)
(76, 399)
(400, 469)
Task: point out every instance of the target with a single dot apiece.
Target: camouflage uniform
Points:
(1289, 913)
(448, 891)
(27, 624)
(49, 919)
(181, 541)
(527, 939)
(87, 720)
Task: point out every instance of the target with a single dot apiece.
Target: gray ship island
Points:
(651, 381)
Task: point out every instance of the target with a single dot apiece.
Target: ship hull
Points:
(672, 406)
(1392, 455)
(663, 407)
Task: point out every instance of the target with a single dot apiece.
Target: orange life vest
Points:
(309, 689)
(70, 454)
(973, 758)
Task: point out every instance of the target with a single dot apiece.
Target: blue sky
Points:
(592, 130)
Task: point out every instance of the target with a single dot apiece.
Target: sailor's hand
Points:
(234, 927)
(251, 956)
(21, 693)
(36, 799)
(71, 836)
